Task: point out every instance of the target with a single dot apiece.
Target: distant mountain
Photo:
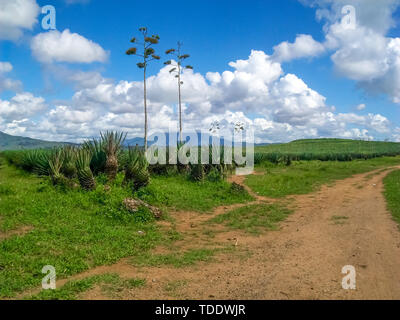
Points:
(134, 142)
(140, 141)
(9, 142)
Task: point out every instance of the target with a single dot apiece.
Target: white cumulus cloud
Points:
(282, 106)
(56, 46)
(303, 47)
(364, 53)
(5, 67)
(17, 16)
(361, 107)
(7, 84)
(22, 105)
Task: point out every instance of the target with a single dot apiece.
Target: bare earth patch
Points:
(17, 232)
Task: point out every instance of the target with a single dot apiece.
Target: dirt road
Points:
(343, 224)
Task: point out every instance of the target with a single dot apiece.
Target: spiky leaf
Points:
(112, 143)
(136, 169)
(85, 175)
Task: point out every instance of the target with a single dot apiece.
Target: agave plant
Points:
(136, 169)
(112, 144)
(56, 163)
(37, 161)
(99, 157)
(85, 175)
(197, 172)
(68, 155)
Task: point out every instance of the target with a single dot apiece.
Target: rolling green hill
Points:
(8, 142)
(326, 149)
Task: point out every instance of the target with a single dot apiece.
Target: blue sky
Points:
(214, 33)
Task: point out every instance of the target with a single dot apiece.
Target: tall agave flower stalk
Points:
(136, 169)
(177, 70)
(182, 168)
(146, 55)
(112, 145)
(85, 175)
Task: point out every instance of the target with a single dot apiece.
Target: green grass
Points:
(339, 220)
(180, 193)
(335, 218)
(70, 231)
(392, 194)
(306, 176)
(74, 230)
(111, 285)
(327, 149)
(254, 218)
(176, 259)
(173, 288)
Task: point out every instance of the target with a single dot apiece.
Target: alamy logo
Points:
(49, 281)
(349, 281)
(228, 147)
(349, 20)
(49, 20)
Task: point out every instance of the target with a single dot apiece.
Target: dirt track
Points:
(343, 224)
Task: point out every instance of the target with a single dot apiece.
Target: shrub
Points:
(111, 143)
(85, 175)
(136, 170)
(215, 175)
(56, 162)
(197, 172)
(99, 157)
(68, 156)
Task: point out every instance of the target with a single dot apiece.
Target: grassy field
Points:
(200, 197)
(392, 194)
(75, 230)
(306, 176)
(254, 218)
(326, 149)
